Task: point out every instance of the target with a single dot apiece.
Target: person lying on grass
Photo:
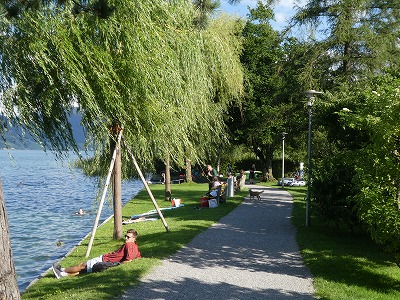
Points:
(126, 253)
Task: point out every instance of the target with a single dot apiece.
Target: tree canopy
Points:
(351, 39)
(354, 57)
(271, 104)
(143, 64)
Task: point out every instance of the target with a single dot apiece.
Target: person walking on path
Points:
(251, 253)
(252, 174)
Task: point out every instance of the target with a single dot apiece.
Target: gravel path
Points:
(249, 254)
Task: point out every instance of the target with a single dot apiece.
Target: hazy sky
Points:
(283, 11)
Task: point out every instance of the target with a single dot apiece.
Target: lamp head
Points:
(311, 96)
(312, 93)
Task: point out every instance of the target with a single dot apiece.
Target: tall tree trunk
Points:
(8, 278)
(269, 175)
(117, 184)
(117, 196)
(398, 196)
(218, 167)
(266, 159)
(167, 179)
(346, 58)
(188, 170)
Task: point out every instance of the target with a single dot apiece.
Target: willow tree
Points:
(140, 64)
(205, 9)
(227, 76)
(222, 46)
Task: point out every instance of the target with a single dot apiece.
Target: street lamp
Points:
(283, 157)
(311, 97)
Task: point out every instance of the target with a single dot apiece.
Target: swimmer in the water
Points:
(80, 212)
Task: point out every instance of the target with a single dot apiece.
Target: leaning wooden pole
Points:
(103, 196)
(146, 185)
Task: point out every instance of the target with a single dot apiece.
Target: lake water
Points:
(42, 195)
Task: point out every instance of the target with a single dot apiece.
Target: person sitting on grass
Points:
(126, 253)
(216, 183)
(214, 188)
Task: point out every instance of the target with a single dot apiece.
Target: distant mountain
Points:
(16, 140)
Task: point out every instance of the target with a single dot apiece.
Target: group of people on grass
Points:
(129, 250)
(212, 176)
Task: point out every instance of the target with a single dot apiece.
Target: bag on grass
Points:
(212, 203)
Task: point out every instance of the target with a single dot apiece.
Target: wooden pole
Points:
(110, 170)
(117, 194)
(167, 178)
(146, 185)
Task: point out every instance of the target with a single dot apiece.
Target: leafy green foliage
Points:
(206, 8)
(333, 190)
(140, 63)
(260, 117)
(274, 101)
(351, 39)
(353, 54)
(366, 160)
(378, 174)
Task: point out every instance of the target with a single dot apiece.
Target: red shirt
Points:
(127, 251)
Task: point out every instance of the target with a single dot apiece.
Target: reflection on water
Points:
(42, 196)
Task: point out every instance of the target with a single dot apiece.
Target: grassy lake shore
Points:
(155, 244)
(344, 265)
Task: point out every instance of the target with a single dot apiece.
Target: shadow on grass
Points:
(340, 259)
(354, 261)
(154, 243)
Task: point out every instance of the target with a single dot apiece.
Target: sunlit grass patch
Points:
(155, 244)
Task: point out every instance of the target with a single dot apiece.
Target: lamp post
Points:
(283, 157)
(311, 97)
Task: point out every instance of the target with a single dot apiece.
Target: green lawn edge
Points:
(345, 265)
(155, 244)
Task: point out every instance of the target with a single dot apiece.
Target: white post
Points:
(110, 170)
(146, 186)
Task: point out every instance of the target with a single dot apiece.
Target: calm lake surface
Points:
(42, 195)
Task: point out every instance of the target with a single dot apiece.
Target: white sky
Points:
(283, 11)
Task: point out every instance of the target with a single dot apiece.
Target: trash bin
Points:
(231, 186)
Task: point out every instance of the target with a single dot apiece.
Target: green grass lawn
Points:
(155, 244)
(345, 265)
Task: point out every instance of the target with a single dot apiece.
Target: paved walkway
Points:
(249, 254)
